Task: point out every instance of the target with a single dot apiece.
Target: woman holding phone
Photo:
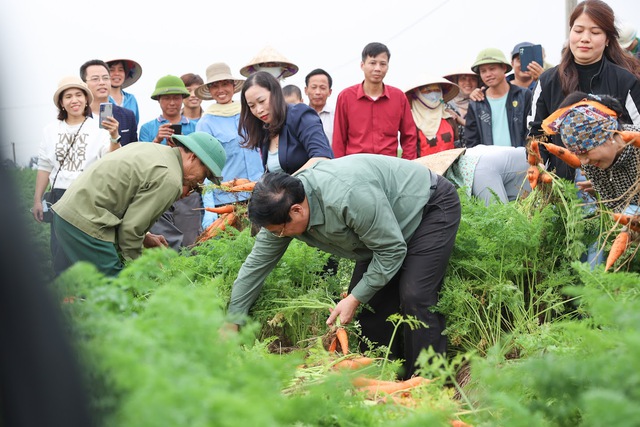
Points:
(69, 145)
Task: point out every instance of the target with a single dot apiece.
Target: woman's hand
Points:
(586, 186)
(478, 94)
(535, 70)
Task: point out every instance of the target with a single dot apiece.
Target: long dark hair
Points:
(602, 14)
(251, 129)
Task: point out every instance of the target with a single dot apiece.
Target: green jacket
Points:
(362, 207)
(121, 195)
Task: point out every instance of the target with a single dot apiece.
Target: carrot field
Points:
(536, 336)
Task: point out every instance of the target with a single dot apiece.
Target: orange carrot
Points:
(532, 175)
(366, 381)
(353, 363)
(243, 187)
(333, 345)
(545, 177)
(617, 248)
(234, 182)
(632, 222)
(343, 339)
(217, 226)
(533, 156)
(394, 387)
(458, 423)
(630, 137)
(563, 154)
(222, 209)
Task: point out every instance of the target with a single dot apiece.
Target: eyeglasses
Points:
(281, 234)
(96, 79)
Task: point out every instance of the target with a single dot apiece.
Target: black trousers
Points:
(415, 289)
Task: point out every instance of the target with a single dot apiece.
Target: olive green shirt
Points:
(120, 196)
(361, 207)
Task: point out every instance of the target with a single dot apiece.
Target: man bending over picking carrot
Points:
(397, 219)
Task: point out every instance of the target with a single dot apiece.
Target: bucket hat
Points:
(215, 73)
(70, 82)
(269, 57)
(442, 160)
(208, 149)
(627, 34)
(170, 85)
(516, 49)
(490, 55)
(449, 89)
(132, 70)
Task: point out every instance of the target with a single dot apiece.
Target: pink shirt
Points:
(363, 125)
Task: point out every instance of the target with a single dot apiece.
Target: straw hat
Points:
(132, 70)
(449, 89)
(215, 73)
(69, 82)
(269, 57)
(453, 77)
(490, 55)
(441, 161)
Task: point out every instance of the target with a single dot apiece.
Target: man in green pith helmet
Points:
(106, 213)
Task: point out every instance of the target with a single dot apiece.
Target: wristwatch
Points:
(115, 140)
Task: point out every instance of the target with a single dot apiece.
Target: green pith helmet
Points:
(490, 55)
(170, 85)
(208, 149)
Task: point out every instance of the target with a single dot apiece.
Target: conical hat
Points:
(449, 89)
(441, 161)
(133, 71)
(269, 57)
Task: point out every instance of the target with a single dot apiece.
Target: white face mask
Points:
(431, 99)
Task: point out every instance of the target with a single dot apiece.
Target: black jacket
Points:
(477, 129)
(611, 80)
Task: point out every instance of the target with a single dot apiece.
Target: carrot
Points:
(632, 222)
(458, 423)
(563, 154)
(532, 175)
(217, 226)
(234, 182)
(545, 177)
(393, 387)
(366, 381)
(243, 187)
(333, 345)
(343, 339)
(353, 363)
(533, 156)
(222, 209)
(617, 248)
(630, 137)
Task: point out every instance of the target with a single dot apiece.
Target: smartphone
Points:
(106, 110)
(529, 54)
(177, 129)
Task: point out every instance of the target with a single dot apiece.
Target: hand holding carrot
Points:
(345, 310)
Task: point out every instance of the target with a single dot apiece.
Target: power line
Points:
(404, 30)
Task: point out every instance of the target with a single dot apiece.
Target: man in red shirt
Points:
(370, 115)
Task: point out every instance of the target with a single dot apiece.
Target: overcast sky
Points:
(42, 41)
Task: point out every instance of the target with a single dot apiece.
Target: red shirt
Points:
(444, 140)
(362, 125)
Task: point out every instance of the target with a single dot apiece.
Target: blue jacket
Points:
(477, 129)
(301, 138)
(128, 126)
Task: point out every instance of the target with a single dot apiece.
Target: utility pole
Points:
(570, 5)
(13, 145)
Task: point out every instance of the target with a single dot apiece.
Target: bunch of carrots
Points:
(238, 185)
(534, 159)
(623, 240)
(227, 217)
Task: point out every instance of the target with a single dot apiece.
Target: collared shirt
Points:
(361, 207)
(130, 102)
(241, 162)
(363, 125)
(123, 194)
(327, 116)
(149, 130)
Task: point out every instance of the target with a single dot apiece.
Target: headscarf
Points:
(427, 116)
(582, 126)
(224, 110)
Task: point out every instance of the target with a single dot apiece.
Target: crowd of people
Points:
(341, 179)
